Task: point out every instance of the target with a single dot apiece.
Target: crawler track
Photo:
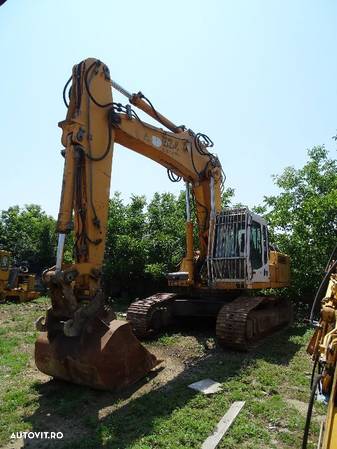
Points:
(241, 323)
(150, 314)
(244, 321)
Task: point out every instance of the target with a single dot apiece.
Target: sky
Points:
(258, 76)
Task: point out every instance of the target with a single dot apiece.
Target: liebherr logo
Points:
(156, 141)
(37, 435)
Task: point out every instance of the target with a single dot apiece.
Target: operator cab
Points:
(240, 250)
(4, 260)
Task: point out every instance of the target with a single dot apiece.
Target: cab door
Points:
(257, 263)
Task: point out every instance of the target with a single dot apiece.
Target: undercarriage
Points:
(241, 320)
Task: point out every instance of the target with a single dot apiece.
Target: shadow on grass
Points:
(92, 419)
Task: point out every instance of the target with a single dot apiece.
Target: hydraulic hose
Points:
(309, 412)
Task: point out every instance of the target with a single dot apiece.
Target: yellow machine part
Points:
(4, 268)
(24, 287)
(323, 349)
(279, 268)
(330, 425)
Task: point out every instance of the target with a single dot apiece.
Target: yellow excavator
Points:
(16, 282)
(83, 342)
(323, 350)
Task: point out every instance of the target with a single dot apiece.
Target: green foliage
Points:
(126, 252)
(143, 241)
(29, 233)
(165, 232)
(303, 218)
(227, 196)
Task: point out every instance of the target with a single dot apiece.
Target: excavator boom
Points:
(80, 341)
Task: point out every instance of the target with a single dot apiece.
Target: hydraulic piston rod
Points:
(59, 253)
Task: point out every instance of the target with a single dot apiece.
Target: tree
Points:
(165, 233)
(29, 233)
(303, 218)
(125, 252)
(227, 197)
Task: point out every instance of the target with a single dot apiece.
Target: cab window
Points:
(265, 244)
(256, 245)
(4, 263)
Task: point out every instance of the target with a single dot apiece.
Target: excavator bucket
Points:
(105, 356)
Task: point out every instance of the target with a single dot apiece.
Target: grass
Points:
(168, 340)
(168, 415)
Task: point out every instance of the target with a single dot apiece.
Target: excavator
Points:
(323, 350)
(80, 339)
(16, 283)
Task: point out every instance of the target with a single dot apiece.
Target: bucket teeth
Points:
(105, 356)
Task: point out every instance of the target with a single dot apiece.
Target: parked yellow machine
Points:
(323, 350)
(15, 281)
(80, 341)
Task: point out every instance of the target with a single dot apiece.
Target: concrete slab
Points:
(206, 386)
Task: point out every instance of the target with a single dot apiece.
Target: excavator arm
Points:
(94, 122)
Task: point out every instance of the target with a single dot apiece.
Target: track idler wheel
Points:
(105, 356)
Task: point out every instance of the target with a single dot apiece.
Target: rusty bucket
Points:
(105, 356)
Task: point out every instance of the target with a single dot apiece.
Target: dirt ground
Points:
(177, 352)
(273, 380)
(175, 360)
